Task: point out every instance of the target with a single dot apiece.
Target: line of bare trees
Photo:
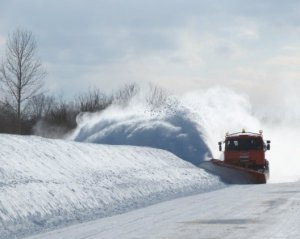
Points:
(26, 109)
(22, 101)
(53, 116)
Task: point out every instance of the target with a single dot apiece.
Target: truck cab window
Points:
(244, 144)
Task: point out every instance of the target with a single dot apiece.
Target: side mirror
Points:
(268, 145)
(220, 146)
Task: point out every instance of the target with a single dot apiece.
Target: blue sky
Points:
(250, 46)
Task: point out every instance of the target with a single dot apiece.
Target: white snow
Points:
(249, 211)
(52, 183)
(49, 184)
(168, 126)
(190, 126)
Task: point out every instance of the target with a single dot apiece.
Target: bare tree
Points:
(21, 72)
(93, 101)
(39, 106)
(156, 96)
(126, 93)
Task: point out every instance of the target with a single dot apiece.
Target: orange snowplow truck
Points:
(246, 150)
(244, 159)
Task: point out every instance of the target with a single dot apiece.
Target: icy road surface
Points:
(255, 211)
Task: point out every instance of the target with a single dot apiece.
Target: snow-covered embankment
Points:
(49, 183)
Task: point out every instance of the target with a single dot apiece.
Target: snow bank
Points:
(50, 183)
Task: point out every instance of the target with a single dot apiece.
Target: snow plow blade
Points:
(234, 174)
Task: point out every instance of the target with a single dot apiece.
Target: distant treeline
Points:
(53, 116)
(25, 110)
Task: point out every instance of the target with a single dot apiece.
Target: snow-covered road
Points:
(254, 211)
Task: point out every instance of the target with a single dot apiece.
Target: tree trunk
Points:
(19, 112)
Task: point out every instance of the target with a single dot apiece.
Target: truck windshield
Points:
(244, 144)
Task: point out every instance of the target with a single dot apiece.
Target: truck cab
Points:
(247, 150)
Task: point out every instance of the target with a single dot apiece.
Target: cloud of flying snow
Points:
(191, 125)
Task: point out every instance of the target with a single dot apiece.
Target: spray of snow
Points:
(161, 122)
(191, 125)
(220, 110)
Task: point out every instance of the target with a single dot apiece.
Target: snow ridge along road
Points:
(46, 183)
